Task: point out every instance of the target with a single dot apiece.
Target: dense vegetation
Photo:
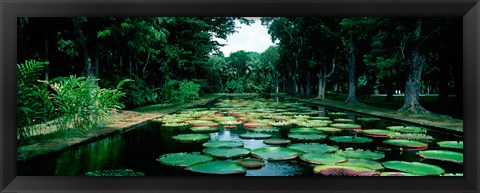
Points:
(82, 63)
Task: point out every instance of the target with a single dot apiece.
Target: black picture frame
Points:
(468, 9)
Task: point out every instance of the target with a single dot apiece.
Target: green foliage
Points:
(233, 86)
(180, 91)
(138, 93)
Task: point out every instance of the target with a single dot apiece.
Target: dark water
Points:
(138, 150)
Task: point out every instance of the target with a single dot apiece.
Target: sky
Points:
(249, 38)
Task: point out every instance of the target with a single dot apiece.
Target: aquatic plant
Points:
(255, 135)
(407, 129)
(380, 133)
(451, 144)
(304, 130)
(364, 163)
(363, 154)
(406, 143)
(313, 147)
(322, 158)
(411, 136)
(204, 129)
(117, 172)
(251, 163)
(276, 141)
(275, 153)
(306, 137)
(442, 155)
(348, 126)
(226, 152)
(336, 170)
(217, 167)
(191, 138)
(223, 144)
(350, 139)
(183, 159)
(414, 167)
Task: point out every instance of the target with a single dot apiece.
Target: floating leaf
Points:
(380, 133)
(223, 144)
(313, 123)
(226, 152)
(406, 143)
(364, 163)
(414, 167)
(351, 139)
(183, 159)
(118, 172)
(319, 118)
(408, 129)
(411, 136)
(451, 144)
(255, 135)
(346, 126)
(313, 147)
(322, 158)
(217, 167)
(452, 174)
(204, 129)
(363, 154)
(275, 153)
(368, 119)
(203, 123)
(330, 130)
(275, 141)
(190, 138)
(265, 129)
(442, 155)
(304, 130)
(307, 137)
(336, 170)
(340, 120)
(251, 163)
(254, 125)
(397, 174)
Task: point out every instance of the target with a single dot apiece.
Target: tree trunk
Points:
(308, 89)
(389, 89)
(145, 67)
(352, 97)
(130, 66)
(120, 66)
(412, 86)
(321, 85)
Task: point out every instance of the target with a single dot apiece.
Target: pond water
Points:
(140, 148)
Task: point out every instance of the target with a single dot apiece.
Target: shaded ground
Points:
(376, 107)
(118, 122)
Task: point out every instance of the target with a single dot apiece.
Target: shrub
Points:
(180, 91)
(233, 86)
(139, 94)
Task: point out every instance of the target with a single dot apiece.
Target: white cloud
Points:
(249, 38)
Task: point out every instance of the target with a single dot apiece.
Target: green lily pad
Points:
(336, 170)
(254, 125)
(224, 119)
(368, 119)
(442, 155)
(275, 153)
(364, 163)
(280, 123)
(313, 147)
(226, 152)
(231, 122)
(414, 167)
(312, 123)
(275, 141)
(251, 163)
(397, 174)
(183, 159)
(204, 129)
(265, 129)
(319, 118)
(191, 138)
(452, 174)
(351, 139)
(380, 133)
(346, 126)
(322, 158)
(203, 123)
(408, 129)
(306, 137)
(304, 130)
(338, 115)
(330, 130)
(411, 136)
(118, 172)
(223, 144)
(340, 120)
(406, 143)
(363, 154)
(180, 125)
(451, 144)
(217, 167)
(255, 135)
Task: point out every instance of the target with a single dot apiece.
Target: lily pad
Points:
(319, 118)
(330, 130)
(254, 125)
(368, 119)
(451, 144)
(407, 129)
(336, 170)
(346, 126)
(442, 155)
(338, 115)
(275, 141)
(377, 133)
(203, 123)
(406, 143)
(217, 167)
(265, 129)
(304, 130)
(223, 144)
(275, 153)
(414, 167)
(322, 158)
(351, 139)
(312, 123)
(397, 174)
(363, 154)
(191, 138)
(411, 136)
(204, 129)
(226, 152)
(255, 135)
(251, 163)
(364, 163)
(313, 147)
(183, 159)
(453, 174)
(306, 137)
(118, 172)
(340, 120)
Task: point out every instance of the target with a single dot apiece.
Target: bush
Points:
(180, 91)
(139, 94)
(233, 86)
